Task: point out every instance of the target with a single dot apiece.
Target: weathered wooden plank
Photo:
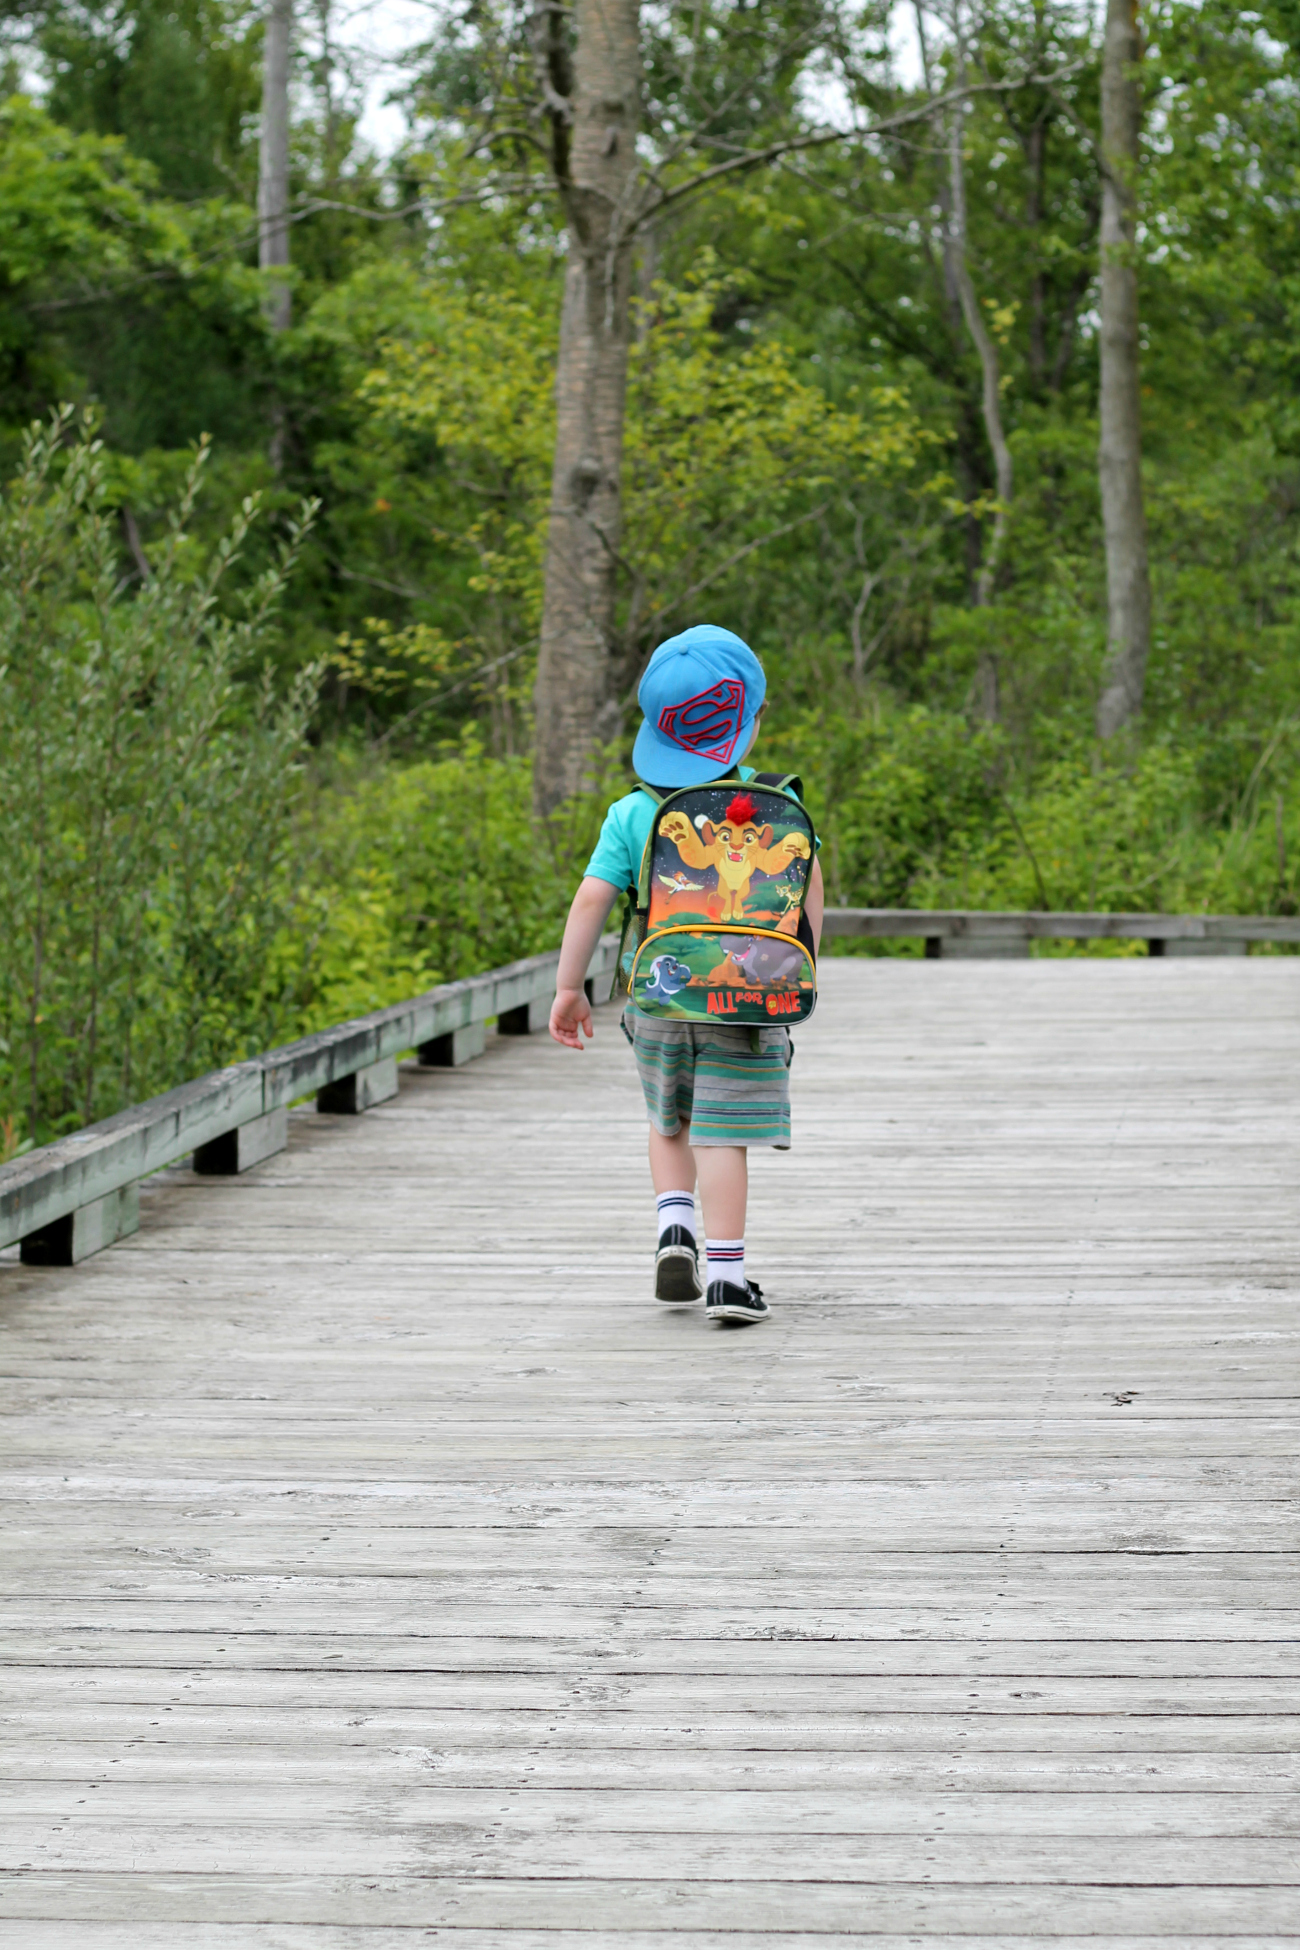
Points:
(781, 1817)
(530, 1617)
(494, 1846)
(1036, 1697)
(1191, 1911)
(282, 1936)
(155, 1738)
(1190, 1662)
(304, 1764)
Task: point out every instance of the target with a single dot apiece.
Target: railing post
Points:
(241, 1149)
(352, 1094)
(454, 1047)
(527, 1018)
(74, 1237)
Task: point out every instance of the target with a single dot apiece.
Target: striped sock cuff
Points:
(676, 1209)
(726, 1260)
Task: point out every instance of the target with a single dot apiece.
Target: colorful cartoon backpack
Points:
(718, 931)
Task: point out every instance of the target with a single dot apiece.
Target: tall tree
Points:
(957, 267)
(273, 169)
(592, 93)
(1128, 581)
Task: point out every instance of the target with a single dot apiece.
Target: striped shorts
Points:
(710, 1076)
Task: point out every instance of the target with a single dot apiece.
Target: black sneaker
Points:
(677, 1268)
(729, 1302)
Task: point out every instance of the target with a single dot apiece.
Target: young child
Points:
(709, 1092)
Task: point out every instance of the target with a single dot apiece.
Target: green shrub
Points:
(149, 795)
(424, 873)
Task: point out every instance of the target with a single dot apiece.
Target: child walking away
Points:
(718, 958)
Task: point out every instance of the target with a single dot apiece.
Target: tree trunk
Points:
(1128, 584)
(593, 106)
(987, 675)
(988, 355)
(273, 160)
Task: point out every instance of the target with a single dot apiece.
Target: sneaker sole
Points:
(677, 1280)
(739, 1313)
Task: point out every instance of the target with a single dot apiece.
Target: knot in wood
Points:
(585, 479)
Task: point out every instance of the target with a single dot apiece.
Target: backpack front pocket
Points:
(724, 975)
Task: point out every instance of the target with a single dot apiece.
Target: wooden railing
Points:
(73, 1197)
(69, 1199)
(968, 934)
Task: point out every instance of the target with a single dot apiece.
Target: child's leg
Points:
(672, 1162)
(724, 1189)
(672, 1168)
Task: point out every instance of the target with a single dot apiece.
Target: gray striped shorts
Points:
(710, 1076)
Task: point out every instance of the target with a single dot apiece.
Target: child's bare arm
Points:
(814, 905)
(571, 1011)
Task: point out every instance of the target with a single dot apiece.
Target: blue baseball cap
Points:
(700, 694)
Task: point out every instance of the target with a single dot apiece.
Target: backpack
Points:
(715, 928)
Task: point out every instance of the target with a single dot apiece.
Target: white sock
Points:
(676, 1209)
(726, 1260)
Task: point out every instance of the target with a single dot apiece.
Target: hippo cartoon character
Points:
(769, 962)
(667, 977)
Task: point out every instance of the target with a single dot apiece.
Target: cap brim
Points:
(659, 762)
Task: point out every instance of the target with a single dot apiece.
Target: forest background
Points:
(273, 552)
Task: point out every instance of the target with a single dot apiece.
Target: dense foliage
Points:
(806, 461)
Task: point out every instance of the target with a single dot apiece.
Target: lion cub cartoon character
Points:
(736, 846)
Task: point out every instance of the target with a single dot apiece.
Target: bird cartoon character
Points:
(667, 977)
(677, 883)
(737, 846)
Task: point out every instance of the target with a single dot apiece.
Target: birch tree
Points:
(1128, 583)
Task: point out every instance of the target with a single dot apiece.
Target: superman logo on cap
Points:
(708, 724)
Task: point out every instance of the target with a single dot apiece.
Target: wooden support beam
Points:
(75, 1236)
(241, 1149)
(453, 1047)
(375, 1084)
(600, 987)
(527, 1018)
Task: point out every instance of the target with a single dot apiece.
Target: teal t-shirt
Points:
(617, 857)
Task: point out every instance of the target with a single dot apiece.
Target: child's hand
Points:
(571, 1012)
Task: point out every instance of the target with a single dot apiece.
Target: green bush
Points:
(417, 874)
(143, 877)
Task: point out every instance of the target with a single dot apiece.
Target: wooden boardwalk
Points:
(381, 1568)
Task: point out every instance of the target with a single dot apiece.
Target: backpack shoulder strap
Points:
(641, 892)
(783, 781)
